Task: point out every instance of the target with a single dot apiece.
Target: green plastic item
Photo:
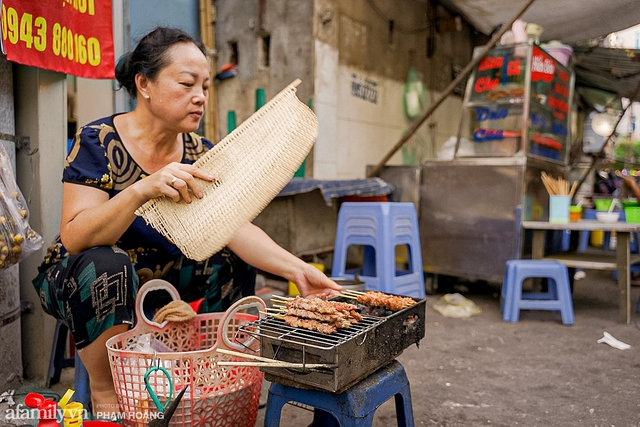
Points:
(300, 172)
(261, 98)
(231, 120)
(414, 95)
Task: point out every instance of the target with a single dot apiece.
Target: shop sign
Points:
(364, 88)
(68, 36)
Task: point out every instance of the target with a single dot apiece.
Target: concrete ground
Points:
(481, 371)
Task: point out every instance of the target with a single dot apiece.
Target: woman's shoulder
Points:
(100, 130)
(195, 146)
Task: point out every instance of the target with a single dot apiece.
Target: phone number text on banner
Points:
(69, 36)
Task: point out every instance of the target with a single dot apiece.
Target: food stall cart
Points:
(515, 124)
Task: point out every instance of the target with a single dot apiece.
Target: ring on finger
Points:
(173, 181)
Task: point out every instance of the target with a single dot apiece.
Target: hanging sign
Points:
(68, 36)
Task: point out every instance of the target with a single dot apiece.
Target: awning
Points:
(615, 71)
(569, 21)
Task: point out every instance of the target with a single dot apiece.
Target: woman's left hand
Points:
(314, 283)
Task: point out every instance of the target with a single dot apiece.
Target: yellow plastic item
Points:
(73, 414)
(65, 399)
(293, 289)
(596, 238)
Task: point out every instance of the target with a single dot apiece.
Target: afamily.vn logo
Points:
(24, 413)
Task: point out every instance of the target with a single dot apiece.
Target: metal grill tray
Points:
(352, 354)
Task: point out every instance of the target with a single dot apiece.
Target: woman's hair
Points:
(150, 56)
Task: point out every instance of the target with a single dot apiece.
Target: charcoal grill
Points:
(350, 354)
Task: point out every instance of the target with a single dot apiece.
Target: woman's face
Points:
(179, 94)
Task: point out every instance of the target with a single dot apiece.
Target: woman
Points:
(91, 273)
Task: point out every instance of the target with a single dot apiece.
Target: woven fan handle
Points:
(296, 83)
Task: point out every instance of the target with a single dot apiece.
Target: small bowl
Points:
(608, 217)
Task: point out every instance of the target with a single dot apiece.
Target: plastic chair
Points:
(558, 297)
(82, 392)
(355, 407)
(380, 227)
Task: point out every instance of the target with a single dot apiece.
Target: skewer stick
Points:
(354, 292)
(574, 187)
(348, 296)
(280, 297)
(277, 316)
(276, 365)
(266, 361)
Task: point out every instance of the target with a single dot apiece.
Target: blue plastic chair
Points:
(557, 298)
(380, 227)
(355, 407)
(82, 392)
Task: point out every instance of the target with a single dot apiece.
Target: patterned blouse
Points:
(99, 159)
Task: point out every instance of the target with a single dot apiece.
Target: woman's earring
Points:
(147, 96)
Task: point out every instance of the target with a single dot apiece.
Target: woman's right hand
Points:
(177, 181)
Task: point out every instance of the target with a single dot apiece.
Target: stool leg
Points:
(274, 410)
(81, 388)
(404, 407)
(564, 297)
(323, 418)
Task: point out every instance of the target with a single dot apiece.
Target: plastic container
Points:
(559, 208)
(575, 213)
(602, 204)
(608, 217)
(561, 52)
(632, 214)
(217, 395)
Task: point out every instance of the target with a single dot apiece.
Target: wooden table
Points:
(621, 260)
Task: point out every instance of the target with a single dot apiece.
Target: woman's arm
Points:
(256, 248)
(90, 218)
(630, 183)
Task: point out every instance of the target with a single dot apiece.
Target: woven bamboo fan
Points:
(251, 165)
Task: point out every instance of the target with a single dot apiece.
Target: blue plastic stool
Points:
(380, 227)
(558, 298)
(82, 392)
(355, 407)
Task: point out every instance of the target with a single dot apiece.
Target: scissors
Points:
(152, 393)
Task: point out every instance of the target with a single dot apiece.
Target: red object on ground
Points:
(47, 409)
(365, 198)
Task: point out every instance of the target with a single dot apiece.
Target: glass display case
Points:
(517, 102)
(514, 126)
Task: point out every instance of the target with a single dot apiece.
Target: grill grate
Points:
(277, 329)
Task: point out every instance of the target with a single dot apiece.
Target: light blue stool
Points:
(380, 227)
(558, 297)
(355, 407)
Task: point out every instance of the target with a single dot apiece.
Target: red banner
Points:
(69, 36)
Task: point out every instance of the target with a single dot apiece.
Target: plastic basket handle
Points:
(244, 303)
(153, 285)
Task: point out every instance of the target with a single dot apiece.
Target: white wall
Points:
(356, 132)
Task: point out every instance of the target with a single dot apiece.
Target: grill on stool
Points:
(352, 354)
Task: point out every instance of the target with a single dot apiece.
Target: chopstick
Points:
(265, 362)
(558, 186)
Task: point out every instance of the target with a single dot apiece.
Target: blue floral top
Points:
(98, 158)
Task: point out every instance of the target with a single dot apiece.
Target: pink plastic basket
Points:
(217, 395)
